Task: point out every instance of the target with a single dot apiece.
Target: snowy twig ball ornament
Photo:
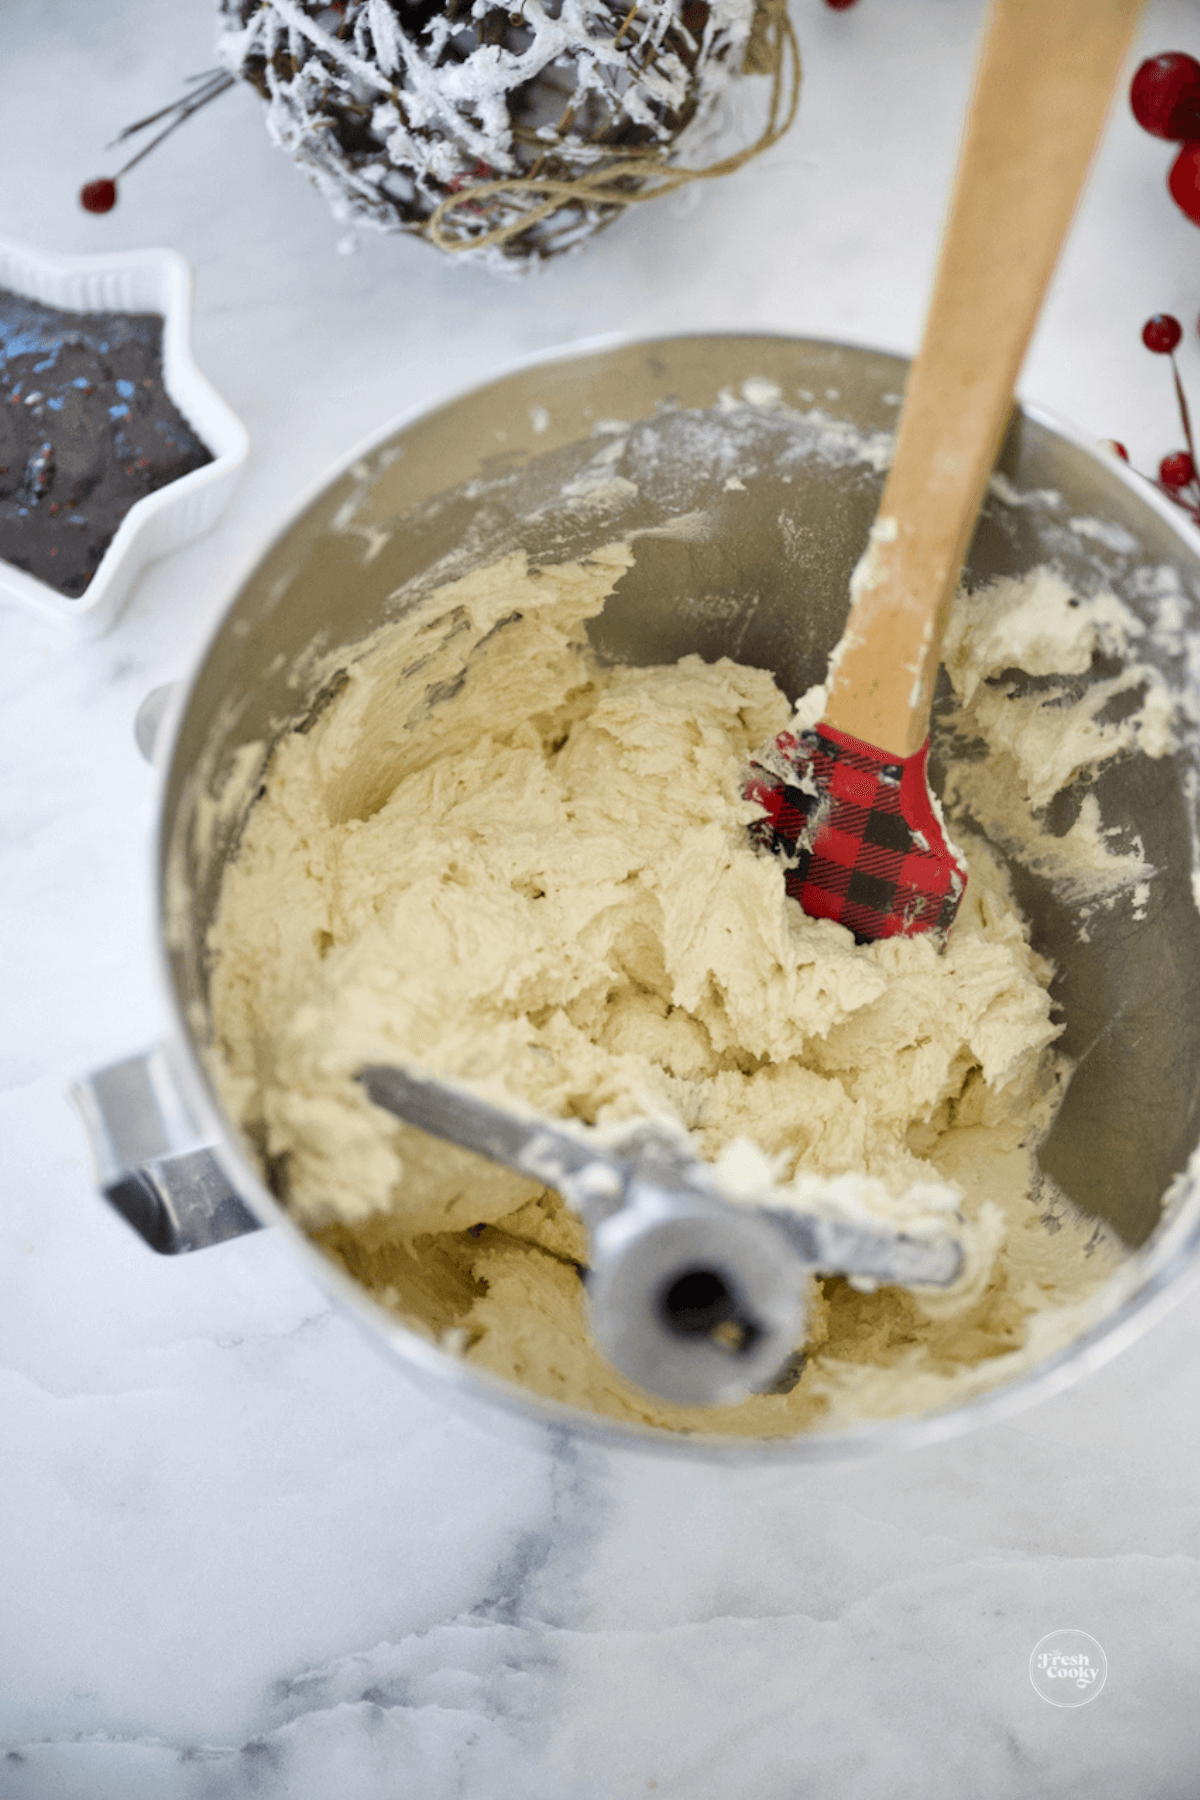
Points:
(503, 135)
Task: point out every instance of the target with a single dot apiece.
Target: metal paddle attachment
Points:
(692, 1297)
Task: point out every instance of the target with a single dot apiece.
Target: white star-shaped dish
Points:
(134, 281)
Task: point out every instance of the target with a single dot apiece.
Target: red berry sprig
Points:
(1162, 334)
(1177, 477)
(1165, 97)
(1184, 182)
(100, 196)
(1176, 471)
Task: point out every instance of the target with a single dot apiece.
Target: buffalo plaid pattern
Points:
(860, 832)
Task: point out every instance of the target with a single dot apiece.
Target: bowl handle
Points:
(147, 724)
(147, 1160)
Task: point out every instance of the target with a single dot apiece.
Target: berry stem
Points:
(1190, 507)
(209, 77)
(1183, 409)
(216, 81)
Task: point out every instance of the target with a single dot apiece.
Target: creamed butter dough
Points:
(537, 877)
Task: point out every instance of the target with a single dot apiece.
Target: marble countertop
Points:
(241, 1555)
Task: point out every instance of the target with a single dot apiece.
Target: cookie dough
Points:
(494, 859)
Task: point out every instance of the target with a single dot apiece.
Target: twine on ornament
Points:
(631, 176)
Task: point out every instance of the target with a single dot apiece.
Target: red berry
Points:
(841, 5)
(1114, 448)
(98, 196)
(1161, 333)
(1177, 470)
(1165, 96)
(1184, 181)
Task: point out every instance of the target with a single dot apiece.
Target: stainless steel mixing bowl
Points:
(762, 574)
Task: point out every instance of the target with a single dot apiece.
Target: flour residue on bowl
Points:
(1016, 653)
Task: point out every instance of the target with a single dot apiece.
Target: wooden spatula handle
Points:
(1042, 91)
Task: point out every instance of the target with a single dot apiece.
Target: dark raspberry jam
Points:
(86, 430)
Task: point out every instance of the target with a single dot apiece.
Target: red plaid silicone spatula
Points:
(847, 802)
